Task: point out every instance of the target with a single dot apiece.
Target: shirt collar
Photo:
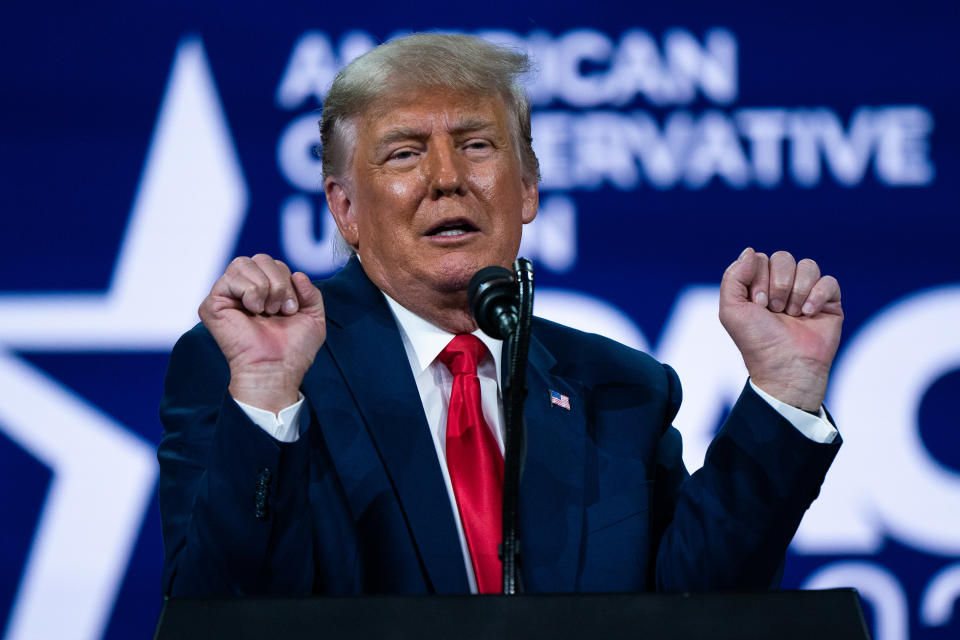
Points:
(428, 340)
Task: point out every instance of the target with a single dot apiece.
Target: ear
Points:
(531, 201)
(341, 206)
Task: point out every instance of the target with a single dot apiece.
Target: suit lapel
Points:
(551, 488)
(364, 342)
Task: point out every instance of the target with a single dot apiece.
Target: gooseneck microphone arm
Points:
(502, 304)
(518, 348)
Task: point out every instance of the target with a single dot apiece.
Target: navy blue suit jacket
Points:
(358, 504)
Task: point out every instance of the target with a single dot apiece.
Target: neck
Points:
(449, 310)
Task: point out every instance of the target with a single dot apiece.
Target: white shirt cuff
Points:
(284, 426)
(816, 428)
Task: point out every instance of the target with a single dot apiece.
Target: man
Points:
(332, 442)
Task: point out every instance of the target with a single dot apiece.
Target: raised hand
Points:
(785, 319)
(269, 324)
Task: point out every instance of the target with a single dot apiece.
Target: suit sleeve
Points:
(729, 524)
(233, 501)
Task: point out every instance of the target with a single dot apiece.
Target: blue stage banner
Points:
(146, 144)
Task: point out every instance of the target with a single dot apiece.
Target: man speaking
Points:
(348, 439)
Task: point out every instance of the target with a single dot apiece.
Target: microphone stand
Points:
(514, 383)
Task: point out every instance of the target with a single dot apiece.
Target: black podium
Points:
(784, 615)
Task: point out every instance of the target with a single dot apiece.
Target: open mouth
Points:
(452, 228)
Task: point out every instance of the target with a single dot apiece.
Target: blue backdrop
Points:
(143, 145)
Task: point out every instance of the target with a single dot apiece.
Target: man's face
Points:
(435, 192)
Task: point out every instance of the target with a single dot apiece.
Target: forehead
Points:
(430, 109)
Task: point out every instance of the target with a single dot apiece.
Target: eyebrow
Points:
(414, 133)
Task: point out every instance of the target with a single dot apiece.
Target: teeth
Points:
(451, 232)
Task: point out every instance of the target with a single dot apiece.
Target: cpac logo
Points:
(192, 196)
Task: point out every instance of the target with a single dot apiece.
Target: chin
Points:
(452, 276)
(453, 283)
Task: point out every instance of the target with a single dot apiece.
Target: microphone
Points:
(494, 301)
(502, 305)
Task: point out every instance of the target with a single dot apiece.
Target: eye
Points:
(405, 155)
(477, 147)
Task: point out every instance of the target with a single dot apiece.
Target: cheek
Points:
(384, 200)
(394, 195)
(505, 188)
(491, 184)
(389, 206)
(399, 190)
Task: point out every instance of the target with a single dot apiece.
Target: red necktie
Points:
(475, 462)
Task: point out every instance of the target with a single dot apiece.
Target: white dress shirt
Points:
(423, 342)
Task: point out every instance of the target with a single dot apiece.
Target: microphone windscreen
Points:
(487, 274)
(492, 294)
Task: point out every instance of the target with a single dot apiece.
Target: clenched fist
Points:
(269, 324)
(785, 319)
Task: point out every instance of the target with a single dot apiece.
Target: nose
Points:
(445, 169)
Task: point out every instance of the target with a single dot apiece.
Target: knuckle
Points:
(238, 263)
(810, 267)
(263, 262)
(834, 284)
(781, 255)
(229, 280)
(260, 286)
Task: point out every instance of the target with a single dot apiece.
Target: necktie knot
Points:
(463, 354)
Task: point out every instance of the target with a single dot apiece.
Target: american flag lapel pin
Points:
(557, 399)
